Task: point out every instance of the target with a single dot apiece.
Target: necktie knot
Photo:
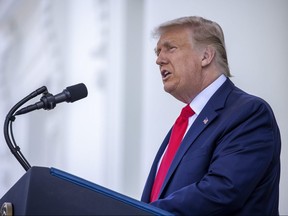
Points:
(187, 112)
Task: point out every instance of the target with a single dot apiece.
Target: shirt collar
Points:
(202, 98)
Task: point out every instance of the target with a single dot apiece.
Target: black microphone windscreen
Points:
(77, 92)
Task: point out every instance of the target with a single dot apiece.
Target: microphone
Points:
(48, 101)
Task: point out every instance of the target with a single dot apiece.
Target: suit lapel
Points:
(188, 142)
(207, 115)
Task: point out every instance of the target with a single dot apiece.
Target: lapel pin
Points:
(205, 121)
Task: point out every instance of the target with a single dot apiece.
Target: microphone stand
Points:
(8, 132)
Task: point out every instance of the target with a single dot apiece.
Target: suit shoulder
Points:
(242, 98)
(229, 95)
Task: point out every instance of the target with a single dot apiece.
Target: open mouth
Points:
(165, 74)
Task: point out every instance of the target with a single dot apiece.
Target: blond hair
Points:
(204, 32)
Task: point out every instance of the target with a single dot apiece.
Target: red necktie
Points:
(177, 134)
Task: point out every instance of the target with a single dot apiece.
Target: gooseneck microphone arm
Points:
(8, 132)
(47, 102)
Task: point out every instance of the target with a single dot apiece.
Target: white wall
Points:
(111, 137)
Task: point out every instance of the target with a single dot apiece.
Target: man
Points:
(228, 162)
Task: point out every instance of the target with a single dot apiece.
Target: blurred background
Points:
(111, 137)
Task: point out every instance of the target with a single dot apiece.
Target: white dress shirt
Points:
(200, 101)
(203, 97)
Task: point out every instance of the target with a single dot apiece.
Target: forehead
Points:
(175, 34)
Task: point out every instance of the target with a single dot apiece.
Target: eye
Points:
(157, 52)
(171, 48)
(166, 48)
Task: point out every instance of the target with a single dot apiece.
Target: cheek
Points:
(189, 69)
(186, 65)
(191, 76)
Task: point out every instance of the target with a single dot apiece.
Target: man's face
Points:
(180, 63)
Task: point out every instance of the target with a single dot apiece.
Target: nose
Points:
(161, 59)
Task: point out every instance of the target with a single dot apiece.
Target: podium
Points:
(50, 191)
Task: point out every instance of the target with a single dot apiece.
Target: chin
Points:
(170, 88)
(167, 89)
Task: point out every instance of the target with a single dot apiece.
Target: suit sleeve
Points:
(241, 158)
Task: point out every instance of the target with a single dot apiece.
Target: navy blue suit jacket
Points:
(227, 164)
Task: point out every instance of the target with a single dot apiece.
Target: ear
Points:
(208, 55)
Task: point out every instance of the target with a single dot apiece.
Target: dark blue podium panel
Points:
(44, 191)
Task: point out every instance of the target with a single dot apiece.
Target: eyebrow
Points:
(165, 44)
